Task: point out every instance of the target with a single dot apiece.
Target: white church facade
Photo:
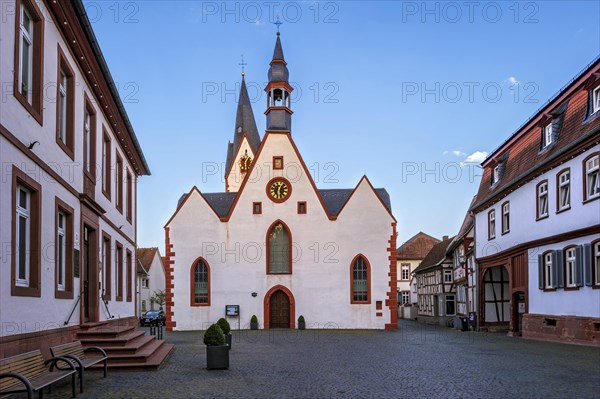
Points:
(273, 243)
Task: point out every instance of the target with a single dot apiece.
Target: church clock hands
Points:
(279, 190)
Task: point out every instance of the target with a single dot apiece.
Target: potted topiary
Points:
(217, 353)
(226, 328)
(301, 323)
(254, 322)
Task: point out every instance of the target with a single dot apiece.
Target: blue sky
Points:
(404, 92)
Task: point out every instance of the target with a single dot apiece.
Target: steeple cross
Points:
(278, 23)
(243, 64)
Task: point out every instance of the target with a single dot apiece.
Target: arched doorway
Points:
(496, 296)
(279, 308)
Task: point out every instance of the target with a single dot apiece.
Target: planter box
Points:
(253, 325)
(228, 340)
(301, 325)
(217, 357)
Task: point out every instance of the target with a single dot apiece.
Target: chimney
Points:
(444, 238)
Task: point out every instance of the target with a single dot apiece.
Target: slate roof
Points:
(278, 72)
(467, 224)
(522, 151)
(435, 257)
(334, 200)
(416, 247)
(244, 123)
(145, 256)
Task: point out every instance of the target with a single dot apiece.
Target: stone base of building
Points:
(444, 321)
(43, 339)
(568, 329)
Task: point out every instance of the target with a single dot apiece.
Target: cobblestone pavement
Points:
(417, 361)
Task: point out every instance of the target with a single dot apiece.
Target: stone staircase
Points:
(127, 347)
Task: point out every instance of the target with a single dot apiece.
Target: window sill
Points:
(563, 210)
(61, 294)
(278, 273)
(199, 304)
(505, 232)
(65, 148)
(588, 200)
(549, 289)
(542, 217)
(25, 291)
(34, 113)
(360, 303)
(596, 286)
(571, 288)
(106, 194)
(90, 176)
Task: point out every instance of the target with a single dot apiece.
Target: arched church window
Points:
(279, 248)
(200, 283)
(360, 280)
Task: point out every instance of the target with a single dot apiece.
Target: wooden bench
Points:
(29, 373)
(77, 353)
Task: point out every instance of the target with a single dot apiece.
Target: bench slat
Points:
(30, 365)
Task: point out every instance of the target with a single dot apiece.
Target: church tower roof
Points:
(244, 123)
(278, 71)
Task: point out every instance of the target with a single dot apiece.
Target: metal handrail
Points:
(73, 310)
(105, 302)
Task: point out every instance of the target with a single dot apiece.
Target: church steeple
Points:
(244, 125)
(279, 113)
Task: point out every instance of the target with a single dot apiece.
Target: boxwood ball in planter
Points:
(217, 353)
(224, 324)
(254, 322)
(301, 323)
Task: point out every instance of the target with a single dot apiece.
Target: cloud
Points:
(477, 157)
(445, 152)
(512, 80)
(458, 153)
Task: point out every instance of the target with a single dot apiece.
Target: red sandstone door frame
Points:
(267, 305)
(89, 268)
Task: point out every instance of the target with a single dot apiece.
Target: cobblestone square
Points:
(417, 361)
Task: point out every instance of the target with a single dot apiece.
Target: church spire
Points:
(279, 113)
(244, 124)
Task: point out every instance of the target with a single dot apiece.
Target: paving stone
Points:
(417, 361)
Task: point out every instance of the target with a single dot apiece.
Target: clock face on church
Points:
(279, 189)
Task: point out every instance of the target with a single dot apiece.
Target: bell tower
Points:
(279, 113)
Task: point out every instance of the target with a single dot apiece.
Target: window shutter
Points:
(541, 271)
(579, 265)
(590, 103)
(501, 167)
(588, 264)
(559, 270)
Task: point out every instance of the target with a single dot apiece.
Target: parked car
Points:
(156, 317)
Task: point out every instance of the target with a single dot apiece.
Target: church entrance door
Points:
(279, 310)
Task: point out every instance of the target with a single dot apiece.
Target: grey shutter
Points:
(558, 268)
(588, 264)
(541, 271)
(501, 167)
(579, 265)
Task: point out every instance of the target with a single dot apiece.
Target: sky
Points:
(412, 94)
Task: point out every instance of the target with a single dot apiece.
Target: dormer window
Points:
(547, 138)
(497, 172)
(596, 100)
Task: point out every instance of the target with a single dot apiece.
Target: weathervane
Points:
(243, 64)
(278, 23)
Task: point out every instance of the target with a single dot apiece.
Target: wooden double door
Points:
(279, 310)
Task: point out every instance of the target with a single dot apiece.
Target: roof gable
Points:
(435, 257)
(416, 247)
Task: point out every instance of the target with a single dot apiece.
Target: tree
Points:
(159, 298)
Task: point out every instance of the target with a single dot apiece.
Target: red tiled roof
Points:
(523, 154)
(417, 247)
(145, 256)
(435, 256)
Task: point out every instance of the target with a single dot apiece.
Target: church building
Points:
(273, 244)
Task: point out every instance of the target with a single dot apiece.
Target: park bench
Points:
(29, 372)
(77, 353)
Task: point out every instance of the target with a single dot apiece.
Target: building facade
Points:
(275, 246)
(408, 257)
(152, 279)
(70, 161)
(537, 221)
(436, 294)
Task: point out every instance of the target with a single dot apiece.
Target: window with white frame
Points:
(505, 217)
(61, 261)
(88, 141)
(405, 297)
(596, 100)
(570, 268)
(492, 224)
(62, 107)
(26, 64)
(447, 276)
(450, 305)
(495, 174)
(405, 270)
(597, 263)
(547, 137)
(145, 282)
(23, 228)
(564, 190)
(592, 177)
(548, 275)
(542, 199)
